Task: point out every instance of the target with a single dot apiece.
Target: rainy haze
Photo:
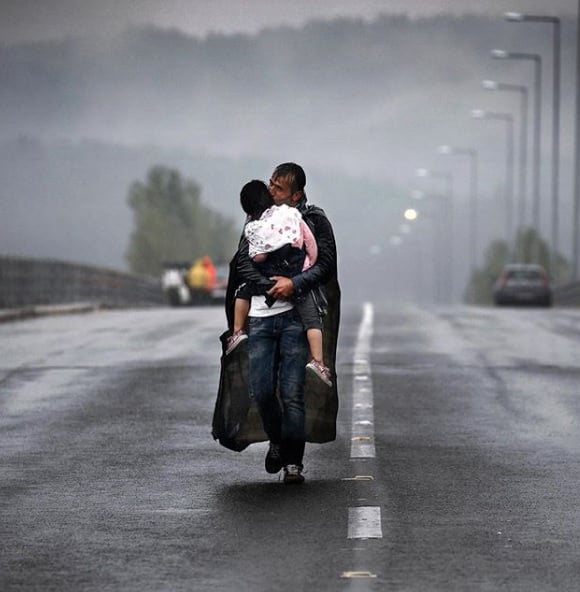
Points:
(360, 104)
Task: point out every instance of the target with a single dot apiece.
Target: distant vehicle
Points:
(218, 294)
(522, 284)
(201, 280)
(174, 283)
(200, 283)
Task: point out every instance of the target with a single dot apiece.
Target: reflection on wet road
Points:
(111, 480)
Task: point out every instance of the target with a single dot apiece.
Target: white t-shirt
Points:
(259, 308)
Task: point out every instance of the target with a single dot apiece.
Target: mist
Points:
(359, 104)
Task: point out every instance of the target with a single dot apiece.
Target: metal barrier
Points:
(29, 282)
(33, 282)
(567, 294)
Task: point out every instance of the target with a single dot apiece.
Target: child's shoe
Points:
(320, 370)
(234, 340)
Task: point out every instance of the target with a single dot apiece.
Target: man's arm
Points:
(325, 267)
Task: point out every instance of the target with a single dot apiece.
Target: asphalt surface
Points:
(110, 479)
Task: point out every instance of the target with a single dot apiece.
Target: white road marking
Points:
(363, 437)
(365, 523)
(357, 574)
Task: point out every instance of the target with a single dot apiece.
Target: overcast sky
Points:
(33, 20)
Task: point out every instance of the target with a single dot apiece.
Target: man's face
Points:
(281, 191)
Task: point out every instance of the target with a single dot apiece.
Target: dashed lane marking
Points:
(365, 523)
(362, 441)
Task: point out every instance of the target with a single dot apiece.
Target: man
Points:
(277, 346)
(277, 350)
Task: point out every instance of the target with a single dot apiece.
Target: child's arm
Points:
(309, 244)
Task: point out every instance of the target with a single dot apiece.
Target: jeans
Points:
(278, 352)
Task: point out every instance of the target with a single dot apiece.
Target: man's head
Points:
(287, 184)
(255, 198)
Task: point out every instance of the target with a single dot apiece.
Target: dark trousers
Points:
(278, 352)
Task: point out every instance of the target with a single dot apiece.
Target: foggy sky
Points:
(375, 109)
(38, 20)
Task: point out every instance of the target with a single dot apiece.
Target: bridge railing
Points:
(31, 282)
(567, 294)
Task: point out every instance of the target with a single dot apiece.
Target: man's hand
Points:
(283, 289)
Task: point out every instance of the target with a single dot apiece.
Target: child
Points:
(276, 235)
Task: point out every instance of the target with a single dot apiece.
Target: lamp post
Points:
(509, 166)
(472, 154)
(448, 179)
(395, 242)
(427, 275)
(500, 54)
(576, 220)
(411, 215)
(555, 22)
(523, 91)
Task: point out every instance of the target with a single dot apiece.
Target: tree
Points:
(171, 224)
(529, 248)
(479, 290)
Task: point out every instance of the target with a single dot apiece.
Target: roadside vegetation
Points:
(529, 248)
(172, 224)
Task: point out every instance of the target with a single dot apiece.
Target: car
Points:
(174, 285)
(218, 294)
(523, 284)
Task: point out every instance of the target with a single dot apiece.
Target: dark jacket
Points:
(286, 261)
(236, 421)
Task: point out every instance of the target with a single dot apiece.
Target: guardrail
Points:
(567, 294)
(30, 282)
(33, 282)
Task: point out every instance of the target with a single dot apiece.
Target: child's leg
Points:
(313, 325)
(241, 310)
(314, 337)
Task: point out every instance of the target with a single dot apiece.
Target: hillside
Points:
(360, 105)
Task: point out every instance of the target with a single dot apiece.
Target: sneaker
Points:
(293, 474)
(234, 340)
(320, 370)
(273, 459)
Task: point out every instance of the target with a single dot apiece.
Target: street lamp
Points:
(500, 54)
(576, 220)
(472, 154)
(555, 22)
(523, 91)
(416, 244)
(509, 167)
(448, 179)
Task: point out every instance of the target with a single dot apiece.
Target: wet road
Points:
(455, 468)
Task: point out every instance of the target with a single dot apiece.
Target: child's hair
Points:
(255, 198)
